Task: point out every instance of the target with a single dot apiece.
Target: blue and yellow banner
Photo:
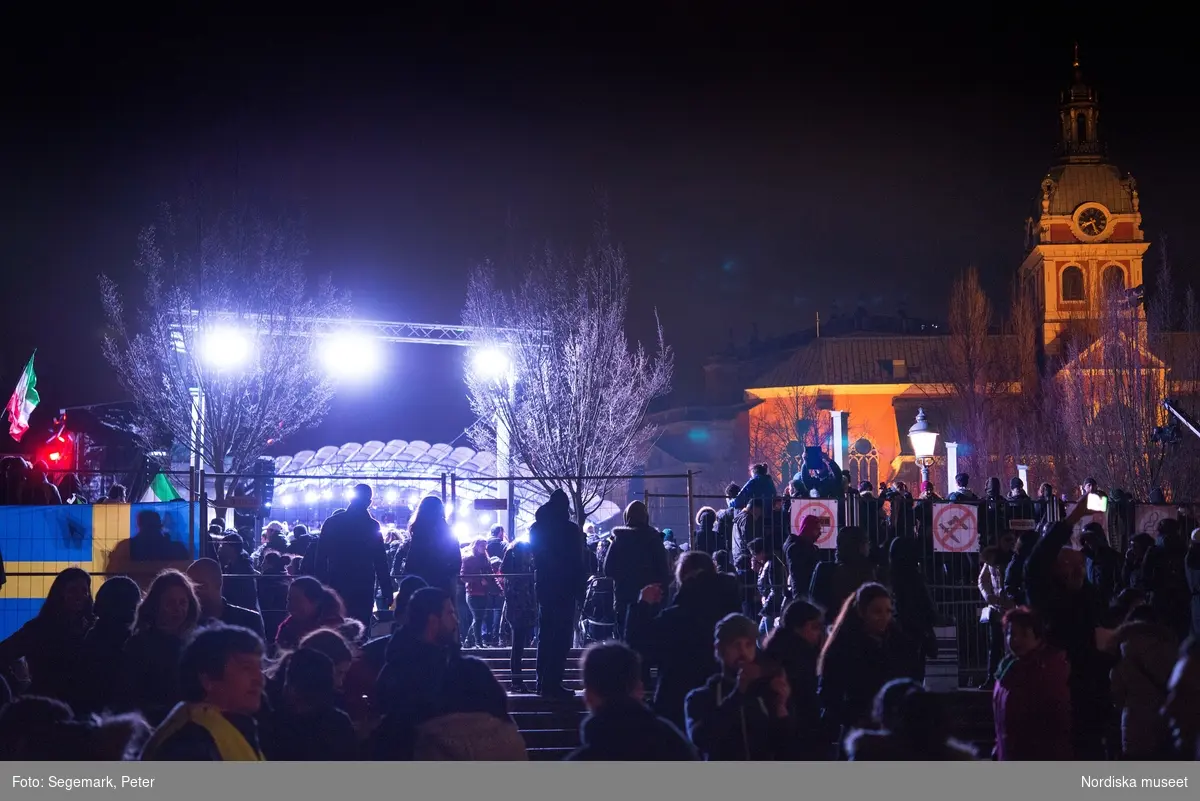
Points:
(135, 540)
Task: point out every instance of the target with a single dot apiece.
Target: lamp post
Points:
(923, 439)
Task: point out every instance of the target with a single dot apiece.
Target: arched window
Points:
(1113, 279)
(863, 463)
(1072, 284)
(1081, 128)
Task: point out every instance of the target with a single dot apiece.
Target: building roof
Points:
(398, 470)
(874, 360)
(1083, 183)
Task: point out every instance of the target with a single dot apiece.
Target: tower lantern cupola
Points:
(1079, 113)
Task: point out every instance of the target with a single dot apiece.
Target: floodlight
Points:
(225, 348)
(485, 518)
(285, 501)
(349, 354)
(310, 497)
(326, 494)
(391, 496)
(492, 363)
(348, 494)
(449, 509)
(463, 532)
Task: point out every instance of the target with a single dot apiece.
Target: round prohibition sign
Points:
(820, 510)
(956, 528)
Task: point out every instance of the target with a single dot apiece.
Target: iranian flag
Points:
(23, 401)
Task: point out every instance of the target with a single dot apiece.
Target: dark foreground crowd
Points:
(771, 658)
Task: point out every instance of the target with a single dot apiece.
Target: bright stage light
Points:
(449, 509)
(464, 533)
(391, 496)
(350, 355)
(492, 363)
(485, 518)
(348, 495)
(225, 348)
(285, 501)
(310, 498)
(413, 500)
(327, 494)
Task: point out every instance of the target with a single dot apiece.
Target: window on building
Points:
(1114, 278)
(1072, 284)
(1081, 128)
(899, 368)
(863, 463)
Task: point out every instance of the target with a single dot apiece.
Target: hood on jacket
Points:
(810, 529)
(469, 737)
(558, 507)
(1142, 635)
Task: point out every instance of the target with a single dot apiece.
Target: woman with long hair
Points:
(434, 552)
(165, 620)
(311, 606)
(51, 642)
(864, 652)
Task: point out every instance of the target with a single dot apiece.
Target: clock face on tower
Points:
(1092, 221)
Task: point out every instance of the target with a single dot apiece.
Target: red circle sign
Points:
(956, 527)
(825, 511)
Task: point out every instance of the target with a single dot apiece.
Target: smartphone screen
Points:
(1097, 503)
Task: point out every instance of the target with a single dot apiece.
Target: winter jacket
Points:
(150, 674)
(636, 559)
(434, 555)
(802, 557)
(1139, 686)
(1192, 564)
(865, 745)
(773, 587)
(469, 737)
(558, 545)
(201, 733)
(351, 558)
(799, 661)
(520, 594)
(991, 588)
(727, 725)
(1166, 577)
(477, 575)
(757, 488)
(856, 666)
(628, 731)
(320, 735)
(51, 651)
(833, 582)
(241, 584)
(679, 639)
(1103, 572)
(1031, 704)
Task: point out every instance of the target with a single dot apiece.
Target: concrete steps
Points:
(551, 728)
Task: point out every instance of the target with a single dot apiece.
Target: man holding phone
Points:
(742, 713)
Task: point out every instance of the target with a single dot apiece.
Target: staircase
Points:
(551, 728)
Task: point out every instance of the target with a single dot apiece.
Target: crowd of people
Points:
(744, 644)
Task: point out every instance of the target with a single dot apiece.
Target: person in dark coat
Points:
(865, 651)
(165, 620)
(619, 726)
(1165, 574)
(1056, 585)
(708, 538)
(1031, 700)
(560, 578)
(915, 613)
(796, 646)
(351, 558)
(742, 713)
(914, 727)
(802, 555)
(1103, 563)
(52, 641)
(833, 582)
(206, 580)
(1014, 574)
(308, 726)
(727, 519)
(635, 559)
(497, 542)
(433, 551)
(241, 583)
(98, 671)
(678, 640)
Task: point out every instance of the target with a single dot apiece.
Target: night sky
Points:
(757, 169)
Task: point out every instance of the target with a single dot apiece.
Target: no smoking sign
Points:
(955, 528)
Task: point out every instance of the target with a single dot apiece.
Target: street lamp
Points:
(923, 439)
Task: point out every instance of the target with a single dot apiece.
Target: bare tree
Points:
(236, 276)
(576, 408)
(1113, 387)
(981, 371)
(794, 417)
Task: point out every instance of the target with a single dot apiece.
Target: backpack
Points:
(599, 612)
